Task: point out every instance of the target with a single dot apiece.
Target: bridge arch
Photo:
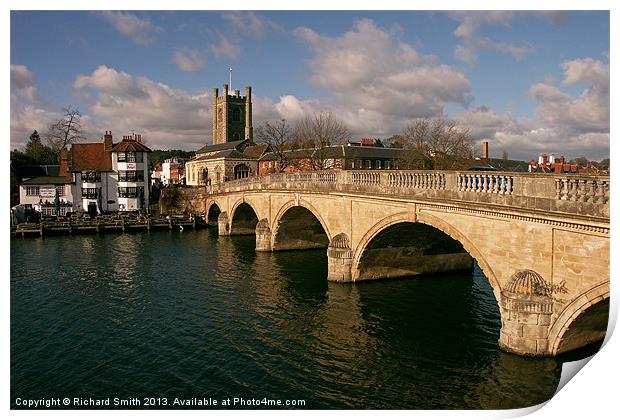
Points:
(434, 222)
(594, 298)
(298, 225)
(244, 218)
(213, 212)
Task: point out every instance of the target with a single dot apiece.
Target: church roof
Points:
(222, 146)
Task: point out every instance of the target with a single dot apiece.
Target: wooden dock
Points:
(105, 225)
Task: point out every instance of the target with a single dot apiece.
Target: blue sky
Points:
(528, 82)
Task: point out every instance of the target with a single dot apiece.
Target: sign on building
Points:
(47, 192)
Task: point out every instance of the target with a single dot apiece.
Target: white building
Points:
(107, 176)
(40, 194)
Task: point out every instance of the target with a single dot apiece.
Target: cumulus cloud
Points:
(225, 48)
(25, 118)
(22, 83)
(248, 23)
(471, 23)
(188, 59)
(573, 125)
(377, 81)
(584, 113)
(141, 31)
(167, 117)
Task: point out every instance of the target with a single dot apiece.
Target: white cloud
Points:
(249, 23)
(167, 117)
(470, 24)
(225, 48)
(25, 118)
(572, 125)
(188, 59)
(377, 82)
(465, 54)
(587, 112)
(22, 83)
(141, 31)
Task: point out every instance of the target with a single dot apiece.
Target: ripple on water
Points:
(194, 314)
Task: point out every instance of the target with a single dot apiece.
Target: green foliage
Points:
(37, 153)
(158, 156)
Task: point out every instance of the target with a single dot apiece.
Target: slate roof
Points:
(222, 146)
(340, 151)
(231, 153)
(29, 171)
(45, 180)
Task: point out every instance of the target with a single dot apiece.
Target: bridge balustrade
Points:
(577, 194)
(486, 183)
(583, 190)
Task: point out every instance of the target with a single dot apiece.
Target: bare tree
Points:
(279, 136)
(436, 144)
(67, 130)
(318, 132)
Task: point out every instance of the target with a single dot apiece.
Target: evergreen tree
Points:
(35, 149)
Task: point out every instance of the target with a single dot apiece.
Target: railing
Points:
(422, 180)
(583, 190)
(486, 183)
(584, 195)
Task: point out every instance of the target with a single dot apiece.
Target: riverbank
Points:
(106, 224)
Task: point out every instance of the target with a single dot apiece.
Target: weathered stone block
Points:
(535, 331)
(525, 346)
(526, 318)
(544, 319)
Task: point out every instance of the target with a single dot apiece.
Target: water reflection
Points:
(187, 314)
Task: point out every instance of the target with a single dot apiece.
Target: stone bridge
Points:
(541, 240)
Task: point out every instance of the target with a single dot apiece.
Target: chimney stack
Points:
(107, 141)
(562, 160)
(544, 159)
(485, 150)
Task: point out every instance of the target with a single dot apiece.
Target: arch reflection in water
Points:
(217, 318)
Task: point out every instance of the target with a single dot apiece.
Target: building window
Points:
(131, 176)
(368, 164)
(377, 164)
(387, 164)
(236, 114)
(91, 176)
(61, 190)
(241, 171)
(122, 157)
(128, 192)
(32, 191)
(89, 192)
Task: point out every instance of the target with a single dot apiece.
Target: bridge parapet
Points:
(578, 195)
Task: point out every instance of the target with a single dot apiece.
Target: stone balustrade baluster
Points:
(583, 190)
(564, 195)
(574, 190)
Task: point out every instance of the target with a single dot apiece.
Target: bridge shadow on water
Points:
(417, 342)
(192, 314)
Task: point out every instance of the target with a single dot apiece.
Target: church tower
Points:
(232, 115)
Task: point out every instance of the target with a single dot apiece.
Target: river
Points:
(193, 315)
